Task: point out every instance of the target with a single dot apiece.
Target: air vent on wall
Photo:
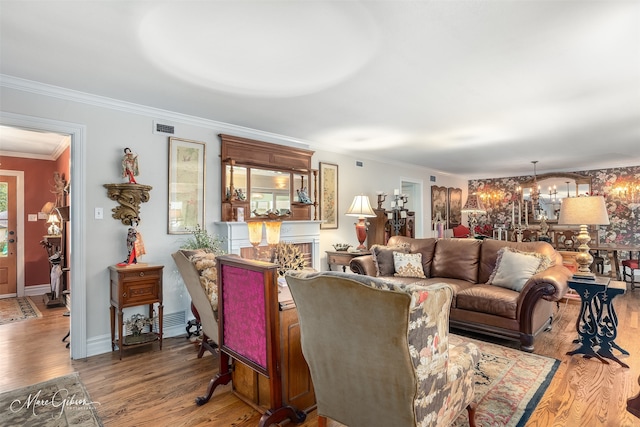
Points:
(163, 128)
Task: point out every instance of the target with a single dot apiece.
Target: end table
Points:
(597, 322)
(343, 258)
(134, 285)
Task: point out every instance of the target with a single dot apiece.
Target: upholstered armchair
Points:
(198, 271)
(379, 353)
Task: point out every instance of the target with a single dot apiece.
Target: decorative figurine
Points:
(135, 246)
(59, 188)
(303, 197)
(130, 165)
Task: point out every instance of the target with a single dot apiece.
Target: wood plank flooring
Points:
(156, 388)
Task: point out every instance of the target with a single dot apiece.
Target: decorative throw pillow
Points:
(383, 258)
(408, 265)
(513, 268)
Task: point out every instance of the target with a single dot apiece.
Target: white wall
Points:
(111, 126)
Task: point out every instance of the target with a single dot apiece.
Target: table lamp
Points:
(362, 209)
(255, 235)
(273, 237)
(584, 211)
(473, 207)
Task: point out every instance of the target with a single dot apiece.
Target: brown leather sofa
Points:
(478, 306)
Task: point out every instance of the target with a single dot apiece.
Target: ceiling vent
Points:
(163, 128)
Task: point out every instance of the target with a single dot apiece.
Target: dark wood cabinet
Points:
(131, 286)
(381, 227)
(297, 387)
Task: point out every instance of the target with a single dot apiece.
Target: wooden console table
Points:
(134, 285)
(612, 253)
(343, 258)
(597, 322)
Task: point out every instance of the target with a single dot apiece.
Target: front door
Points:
(8, 236)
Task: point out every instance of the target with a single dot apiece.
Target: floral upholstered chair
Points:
(379, 353)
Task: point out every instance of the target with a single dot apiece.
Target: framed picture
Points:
(328, 195)
(454, 213)
(439, 203)
(186, 185)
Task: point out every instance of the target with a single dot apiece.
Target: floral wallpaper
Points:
(623, 208)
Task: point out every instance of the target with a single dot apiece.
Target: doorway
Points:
(77, 134)
(413, 189)
(8, 237)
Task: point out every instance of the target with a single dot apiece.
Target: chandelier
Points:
(535, 188)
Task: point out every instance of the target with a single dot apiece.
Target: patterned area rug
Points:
(59, 402)
(17, 308)
(509, 384)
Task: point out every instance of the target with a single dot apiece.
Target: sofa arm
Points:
(364, 265)
(550, 284)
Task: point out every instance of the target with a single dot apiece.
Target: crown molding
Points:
(65, 94)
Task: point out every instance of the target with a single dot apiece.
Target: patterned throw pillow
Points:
(408, 265)
(514, 268)
(383, 258)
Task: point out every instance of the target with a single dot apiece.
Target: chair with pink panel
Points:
(249, 330)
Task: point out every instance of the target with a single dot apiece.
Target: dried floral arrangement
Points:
(136, 324)
(289, 257)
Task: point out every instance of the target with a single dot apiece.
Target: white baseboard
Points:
(102, 344)
(33, 291)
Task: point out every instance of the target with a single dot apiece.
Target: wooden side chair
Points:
(631, 264)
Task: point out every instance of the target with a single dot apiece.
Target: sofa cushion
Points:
(383, 257)
(514, 268)
(408, 265)
(490, 248)
(457, 259)
(489, 299)
(426, 247)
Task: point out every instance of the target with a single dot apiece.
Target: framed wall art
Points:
(439, 203)
(186, 185)
(454, 213)
(328, 195)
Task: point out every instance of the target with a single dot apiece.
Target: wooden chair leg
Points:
(471, 410)
(322, 421)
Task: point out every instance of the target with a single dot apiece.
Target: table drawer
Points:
(138, 274)
(140, 292)
(339, 259)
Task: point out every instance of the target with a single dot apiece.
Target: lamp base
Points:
(361, 234)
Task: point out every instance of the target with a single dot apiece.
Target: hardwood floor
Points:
(156, 388)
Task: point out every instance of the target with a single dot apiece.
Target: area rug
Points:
(59, 402)
(17, 308)
(509, 384)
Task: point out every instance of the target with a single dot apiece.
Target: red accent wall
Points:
(38, 179)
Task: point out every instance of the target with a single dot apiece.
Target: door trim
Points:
(78, 172)
(418, 206)
(19, 227)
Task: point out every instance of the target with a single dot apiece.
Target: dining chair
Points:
(631, 264)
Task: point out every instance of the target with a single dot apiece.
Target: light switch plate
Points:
(32, 217)
(42, 215)
(98, 213)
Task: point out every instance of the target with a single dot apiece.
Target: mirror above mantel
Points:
(260, 178)
(553, 187)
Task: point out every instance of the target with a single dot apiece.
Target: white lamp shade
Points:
(361, 207)
(590, 210)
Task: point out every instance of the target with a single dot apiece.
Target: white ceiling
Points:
(478, 88)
